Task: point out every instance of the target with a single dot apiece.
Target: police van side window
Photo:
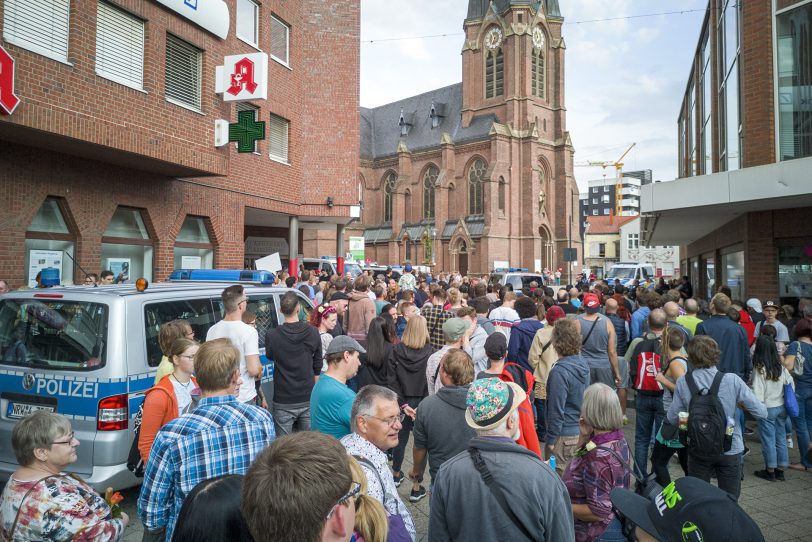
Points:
(262, 305)
(198, 312)
(311, 266)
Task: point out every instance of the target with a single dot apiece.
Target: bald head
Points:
(610, 306)
(657, 320)
(671, 310)
(573, 293)
(691, 307)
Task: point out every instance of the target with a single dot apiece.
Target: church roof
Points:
(383, 128)
(478, 8)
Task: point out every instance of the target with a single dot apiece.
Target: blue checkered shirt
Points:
(221, 436)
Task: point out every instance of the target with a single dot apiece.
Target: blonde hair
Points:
(215, 364)
(454, 296)
(370, 517)
(416, 335)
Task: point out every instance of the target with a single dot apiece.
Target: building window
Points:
(248, 21)
(245, 106)
(119, 46)
(601, 250)
(278, 133)
(605, 198)
(538, 75)
(501, 197)
(705, 135)
(729, 114)
(606, 188)
(689, 129)
(682, 135)
(280, 41)
(47, 241)
(388, 190)
(494, 73)
(127, 247)
(476, 179)
(606, 211)
(633, 241)
(594, 212)
(184, 64)
(429, 180)
(40, 26)
(794, 43)
(595, 201)
(193, 246)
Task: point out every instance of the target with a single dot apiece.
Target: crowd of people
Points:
(515, 401)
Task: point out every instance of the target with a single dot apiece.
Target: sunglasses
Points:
(355, 490)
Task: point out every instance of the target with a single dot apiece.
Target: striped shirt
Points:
(221, 436)
(504, 318)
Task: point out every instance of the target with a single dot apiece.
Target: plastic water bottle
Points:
(552, 462)
(730, 425)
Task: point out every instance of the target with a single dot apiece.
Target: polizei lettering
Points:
(68, 388)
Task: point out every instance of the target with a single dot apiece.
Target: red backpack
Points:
(647, 358)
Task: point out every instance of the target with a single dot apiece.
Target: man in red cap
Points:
(541, 357)
(599, 343)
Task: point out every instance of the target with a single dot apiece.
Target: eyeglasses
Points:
(355, 489)
(192, 357)
(391, 421)
(69, 441)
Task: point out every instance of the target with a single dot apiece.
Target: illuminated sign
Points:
(243, 77)
(209, 14)
(8, 100)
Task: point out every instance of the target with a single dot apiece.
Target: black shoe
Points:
(398, 478)
(779, 475)
(746, 452)
(415, 496)
(764, 474)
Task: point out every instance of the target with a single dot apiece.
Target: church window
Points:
(538, 75)
(388, 190)
(476, 178)
(429, 180)
(501, 194)
(494, 73)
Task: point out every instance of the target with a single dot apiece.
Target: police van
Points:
(91, 353)
(329, 265)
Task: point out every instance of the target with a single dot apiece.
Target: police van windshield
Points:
(53, 333)
(621, 273)
(353, 269)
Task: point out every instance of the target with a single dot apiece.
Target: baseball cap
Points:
(770, 305)
(343, 343)
(754, 304)
(490, 401)
(339, 296)
(408, 268)
(554, 313)
(496, 346)
(591, 303)
(688, 510)
(454, 328)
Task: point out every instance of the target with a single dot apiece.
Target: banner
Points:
(357, 248)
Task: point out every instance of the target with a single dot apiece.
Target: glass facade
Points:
(729, 117)
(733, 273)
(705, 135)
(794, 270)
(126, 247)
(794, 68)
(49, 243)
(193, 247)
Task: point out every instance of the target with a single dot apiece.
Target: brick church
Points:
(480, 171)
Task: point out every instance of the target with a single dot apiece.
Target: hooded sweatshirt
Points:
(440, 427)
(407, 371)
(295, 349)
(361, 311)
(566, 384)
(521, 339)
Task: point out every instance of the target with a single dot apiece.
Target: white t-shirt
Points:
(504, 318)
(246, 340)
(183, 393)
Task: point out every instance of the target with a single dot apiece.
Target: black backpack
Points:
(707, 436)
(134, 462)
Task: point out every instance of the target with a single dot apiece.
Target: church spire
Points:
(478, 8)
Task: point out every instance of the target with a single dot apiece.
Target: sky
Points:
(625, 78)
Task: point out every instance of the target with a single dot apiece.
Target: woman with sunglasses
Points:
(40, 501)
(324, 318)
(176, 393)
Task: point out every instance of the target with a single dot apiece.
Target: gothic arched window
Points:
(494, 73)
(388, 190)
(429, 178)
(476, 178)
(538, 75)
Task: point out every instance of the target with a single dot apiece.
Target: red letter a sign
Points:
(8, 100)
(243, 77)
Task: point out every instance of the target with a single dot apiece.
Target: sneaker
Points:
(746, 452)
(415, 496)
(764, 474)
(748, 431)
(398, 478)
(779, 475)
(790, 445)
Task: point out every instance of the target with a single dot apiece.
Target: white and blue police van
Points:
(90, 353)
(329, 265)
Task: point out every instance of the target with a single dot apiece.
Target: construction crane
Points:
(618, 165)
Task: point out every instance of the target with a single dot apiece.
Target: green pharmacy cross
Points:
(246, 131)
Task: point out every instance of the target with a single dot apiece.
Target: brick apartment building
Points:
(744, 197)
(480, 171)
(109, 159)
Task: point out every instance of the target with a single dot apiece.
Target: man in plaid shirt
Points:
(436, 316)
(221, 436)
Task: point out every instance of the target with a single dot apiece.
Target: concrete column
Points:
(293, 246)
(340, 249)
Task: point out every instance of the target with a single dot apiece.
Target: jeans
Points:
(660, 457)
(649, 414)
(772, 431)
(541, 431)
(286, 416)
(399, 451)
(613, 532)
(727, 468)
(803, 423)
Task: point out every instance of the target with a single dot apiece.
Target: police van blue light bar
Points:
(511, 269)
(223, 275)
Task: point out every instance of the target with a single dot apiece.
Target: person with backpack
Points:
(645, 364)
(798, 360)
(709, 397)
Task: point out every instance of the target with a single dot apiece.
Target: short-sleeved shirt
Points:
(781, 332)
(246, 340)
(330, 407)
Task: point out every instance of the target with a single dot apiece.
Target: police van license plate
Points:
(21, 410)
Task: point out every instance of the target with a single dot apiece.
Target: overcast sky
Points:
(625, 77)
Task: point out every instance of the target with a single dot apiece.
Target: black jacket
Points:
(368, 374)
(407, 371)
(296, 352)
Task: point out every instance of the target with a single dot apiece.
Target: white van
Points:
(330, 266)
(90, 353)
(626, 272)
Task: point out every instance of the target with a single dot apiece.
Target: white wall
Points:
(665, 259)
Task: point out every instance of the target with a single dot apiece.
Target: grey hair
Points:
(600, 408)
(364, 403)
(501, 429)
(38, 430)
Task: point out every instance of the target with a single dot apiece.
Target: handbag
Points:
(798, 368)
(10, 535)
(790, 400)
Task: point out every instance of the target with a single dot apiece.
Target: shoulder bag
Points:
(790, 400)
(800, 360)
